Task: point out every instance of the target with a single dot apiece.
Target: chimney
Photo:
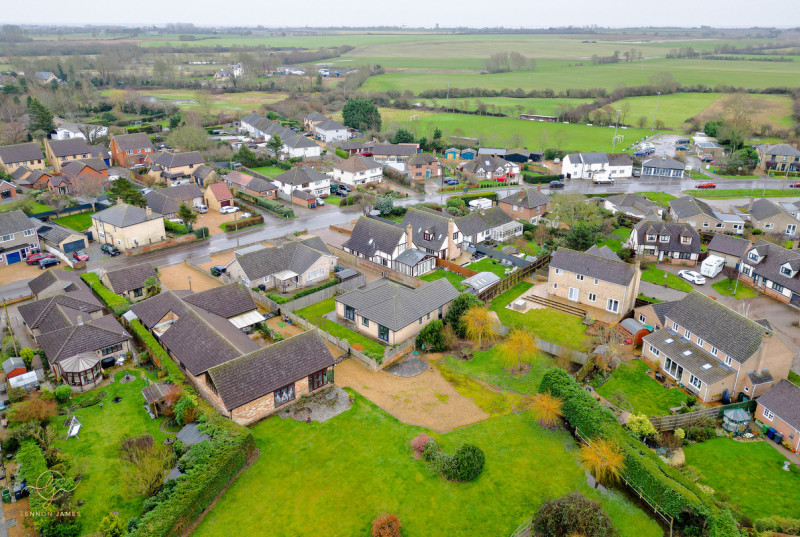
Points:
(539, 187)
(148, 211)
(762, 351)
(409, 231)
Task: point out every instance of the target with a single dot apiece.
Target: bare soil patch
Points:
(19, 511)
(19, 271)
(287, 330)
(176, 277)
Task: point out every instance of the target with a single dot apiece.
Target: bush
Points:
(270, 205)
(680, 433)
(27, 357)
(465, 465)
(430, 338)
(539, 179)
(15, 395)
(201, 233)
(43, 513)
(640, 426)
(386, 525)
(111, 526)
(573, 514)
(115, 303)
(175, 228)
(63, 393)
(470, 462)
(186, 409)
(305, 292)
(247, 222)
(458, 307)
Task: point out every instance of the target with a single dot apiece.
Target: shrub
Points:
(680, 433)
(111, 526)
(640, 426)
(186, 409)
(386, 525)
(35, 408)
(418, 444)
(305, 292)
(270, 205)
(538, 179)
(430, 338)
(470, 462)
(62, 393)
(43, 513)
(458, 307)
(573, 514)
(175, 228)
(115, 303)
(246, 222)
(15, 395)
(27, 356)
(465, 465)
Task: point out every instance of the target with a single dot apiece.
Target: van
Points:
(202, 209)
(603, 178)
(712, 265)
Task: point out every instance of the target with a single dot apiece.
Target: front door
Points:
(441, 308)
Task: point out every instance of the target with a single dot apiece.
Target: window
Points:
(284, 395)
(696, 382)
(579, 277)
(555, 286)
(706, 224)
(769, 225)
(654, 351)
(686, 240)
(365, 321)
(675, 326)
(753, 256)
(427, 236)
(720, 225)
(129, 152)
(664, 238)
(642, 318)
(455, 236)
(383, 333)
(350, 313)
(693, 224)
(714, 351)
(558, 272)
(429, 316)
(768, 415)
(651, 238)
(6, 238)
(592, 297)
(777, 288)
(317, 380)
(786, 271)
(612, 305)
(700, 342)
(28, 232)
(112, 348)
(596, 281)
(573, 294)
(687, 334)
(420, 320)
(728, 360)
(137, 292)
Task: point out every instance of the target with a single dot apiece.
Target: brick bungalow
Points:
(780, 409)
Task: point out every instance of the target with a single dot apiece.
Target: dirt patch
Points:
(18, 511)
(287, 330)
(20, 271)
(177, 276)
(212, 220)
(426, 400)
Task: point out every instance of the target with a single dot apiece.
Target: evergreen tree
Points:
(40, 118)
(123, 189)
(361, 114)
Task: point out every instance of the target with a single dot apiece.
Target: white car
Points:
(692, 276)
(320, 201)
(202, 209)
(228, 210)
(247, 215)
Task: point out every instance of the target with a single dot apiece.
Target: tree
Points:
(62, 393)
(123, 189)
(572, 515)
(547, 409)
(40, 118)
(204, 101)
(458, 307)
(275, 144)
(145, 463)
(479, 324)
(361, 114)
(187, 215)
(175, 120)
(35, 409)
(190, 138)
(603, 459)
(27, 356)
(640, 426)
(152, 287)
(571, 208)
(519, 347)
(581, 237)
(111, 526)
(430, 338)
(88, 186)
(610, 341)
(710, 128)
(367, 203)
(641, 122)
(403, 136)
(384, 204)
(624, 110)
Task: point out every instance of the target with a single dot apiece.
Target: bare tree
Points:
(88, 186)
(204, 100)
(13, 133)
(90, 132)
(624, 110)
(608, 346)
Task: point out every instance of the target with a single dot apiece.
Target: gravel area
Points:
(411, 366)
(320, 406)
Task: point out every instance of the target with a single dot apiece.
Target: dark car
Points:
(48, 262)
(109, 249)
(344, 188)
(556, 184)
(682, 148)
(341, 193)
(637, 173)
(216, 270)
(35, 258)
(707, 185)
(794, 185)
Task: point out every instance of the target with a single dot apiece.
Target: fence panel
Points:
(452, 267)
(558, 350)
(670, 423)
(513, 279)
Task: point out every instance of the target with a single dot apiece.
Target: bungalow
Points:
(59, 311)
(167, 201)
(433, 232)
(351, 147)
(702, 217)
(392, 313)
(632, 205)
(423, 166)
(493, 223)
(490, 168)
(377, 241)
(166, 166)
(778, 157)
(8, 191)
(217, 196)
(394, 155)
(715, 352)
(770, 217)
(331, 131)
(657, 240)
(17, 237)
(237, 180)
(663, 167)
(126, 226)
(731, 249)
(773, 270)
(66, 130)
(259, 186)
(60, 151)
(128, 150)
(303, 178)
(780, 409)
(28, 155)
(528, 204)
(289, 266)
(45, 77)
(55, 282)
(358, 170)
(709, 146)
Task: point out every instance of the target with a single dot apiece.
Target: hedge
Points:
(537, 179)
(175, 228)
(246, 222)
(154, 349)
(270, 205)
(284, 299)
(116, 303)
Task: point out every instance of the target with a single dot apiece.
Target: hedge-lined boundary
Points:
(246, 222)
(278, 299)
(32, 465)
(115, 303)
(270, 205)
(539, 179)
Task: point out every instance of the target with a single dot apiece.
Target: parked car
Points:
(180, 182)
(48, 262)
(794, 185)
(344, 188)
(177, 221)
(367, 153)
(692, 276)
(202, 209)
(682, 147)
(706, 157)
(35, 258)
(80, 255)
(320, 201)
(637, 173)
(109, 249)
(341, 193)
(228, 210)
(246, 215)
(451, 182)
(219, 268)
(556, 184)
(707, 185)
(640, 153)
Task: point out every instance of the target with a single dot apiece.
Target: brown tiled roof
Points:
(69, 148)
(91, 335)
(129, 278)
(176, 160)
(132, 142)
(357, 163)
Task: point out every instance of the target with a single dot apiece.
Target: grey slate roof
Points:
(10, 154)
(132, 142)
(528, 198)
(480, 221)
(69, 148)
(394, 150)
(619, 159)
(202, 171)
(260, 373)
(129, 278)
(410, 257)
(19, 172)
(662, 309)
(593, 266)
(258, 184)
(674, 231)
(329, 125)
(357, 163)
(688, 206)
(299, 176)
(168, 200)
(396, 306)
(632, 203)
(15, 222)
(60, 311)
(732, 333)
(784, 401)
(177, 160)
(779, 150)
(61, 278)
(773, 256)
(762, 209)
(593, 158)
(124, 215)
(605, 251)
(53, 233)
(74, 168)
(92, 335)
(316, 116)
(226, 301)
(427, 220)
(15, 362)
(486, 163)
(370, 235)
(700, 363)
(667, 163)
(728, 244)
(422, 159)
(295, 256)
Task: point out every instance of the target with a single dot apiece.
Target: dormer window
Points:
(786, 271)
(651, 238)
(427, 236)
(686, 240)
(753, 256)
(664, 238)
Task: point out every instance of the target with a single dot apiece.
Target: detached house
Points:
(632, 205)
(126, 226)
(699, 215)
(311, 119)
(433, 232)
(423, 166)
(492, 223)
(304, 179)
(528, 204)
(596, 280)
(778, 157)
(329, 130)
(358, 170)
(128, 150)
(713, 351)
(780, 409)
(394, 155)
(772, 218)
(657, 240)
(27, 155)
(772, 270)
(61, 151)
(66, 130)
(585, 165)
(490, 168)
(167, 201)
(289, 266)
(17, 237)
(376, 241)
(166, 167)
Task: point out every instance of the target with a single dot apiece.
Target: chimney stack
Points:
(762, 351)
(409, 231)
(148, 211)
(80, 320)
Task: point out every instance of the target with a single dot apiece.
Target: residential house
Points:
(61, 185)
(237, 180)
(217, 196)
(99, 151)
(585, 165)
(28, 155)
(312, 119)
(8, 191)
(770, 217)
(731, 249)
(60, 151)
(703, 218)
(260, 186)
(392, 313)
(203, 174)
(596, 280)
(45, 77)
(778, 157)
(237, 70)
(56, 282)
(288, 266)
(490, 168)
(780, 409)
(528, 204)
(128, 150)
(620, 165)
(66, 130)
(331, 131)
(62, 309)
(493, 223)
(167, 201)
(63, 239)
(632, 205)
(251, 387)
(299, 146)
(377, 241)
(433, 232)
(710, 147)
(772, 270)
(126, 226)
(17, 237)
(663, 167)
(304, 179)
(90, 168)
(223, 77)
(394, 155)
(358, 170)
(352, 147)
(166, 167)
(714, 352)
(657, 241)
(423, 166)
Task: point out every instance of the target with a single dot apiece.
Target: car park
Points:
(80, 255)
(230, 209)
(707, 185)
(556, 184)
(48, 262)
(109, 249)
(692, 276)
(35, 258)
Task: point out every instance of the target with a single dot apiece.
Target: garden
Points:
(78, 222)
(726, 287)
(438, 274)
(631, 388)
(316, 313)
(488, 264)
(658, 276)
(615, 239)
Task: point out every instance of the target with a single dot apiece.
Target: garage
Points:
(13, 257)
(74, 245)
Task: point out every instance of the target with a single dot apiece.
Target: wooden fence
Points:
(513, 279)
(386, 272)
(670, 423)
(313, 298)
(452, 267)
(558, 350)
(341, 229)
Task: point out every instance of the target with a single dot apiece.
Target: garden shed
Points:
(733, 418)
(156, 395)
(28, 380)
(14, 366)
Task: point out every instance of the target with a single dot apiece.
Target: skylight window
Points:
(669, 340)
(687, 353)
(707, 366)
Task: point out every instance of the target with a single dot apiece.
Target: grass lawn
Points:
(657, 276)
(644, 393)
(452, 277)
(315, 313)
(615, 239)
(696, 174)
(334, 200)
(269, 171)
(366, 468)
(742, 193)
(37, 207)
(794, 378)
(319, 309)
(751, 473)
(488, 367)
(78, 222)
(736, 176)
(742, 291)
(94, 451)
(659, 198)
(643, 296)
(550, 325)
(488, 265)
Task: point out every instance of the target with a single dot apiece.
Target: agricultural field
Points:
(510, 106)
(227, 102)
(673, 110)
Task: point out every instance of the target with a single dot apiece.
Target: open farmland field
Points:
(225, 102)
(510, 105)
(775, 110)
(673, 110)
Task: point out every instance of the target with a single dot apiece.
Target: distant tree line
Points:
(506, 62)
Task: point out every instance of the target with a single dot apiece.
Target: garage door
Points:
(74, 245)
(13, 257)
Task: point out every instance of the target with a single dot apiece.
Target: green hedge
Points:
(116, 303)
(154, 349)
(270, 205)
(177, 229)
(537, 179)
(305, 292)
(246, 222)
(341, 153)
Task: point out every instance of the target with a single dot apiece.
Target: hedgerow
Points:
(117, 304)
(305, 292)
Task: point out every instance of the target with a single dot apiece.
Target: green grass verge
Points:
(659, 198)
(37, 207)
(615, 239)
(334, 200)
(78, 222)
(650, 299)
(644, 394)
(368, 469)
(660, 277)
(742, 193)
(794, 378)
(488, 265)
(742, 291)
(452, 277)
(751, 473)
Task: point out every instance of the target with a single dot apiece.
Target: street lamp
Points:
(202, 227)
(236, 227)
(658, 94)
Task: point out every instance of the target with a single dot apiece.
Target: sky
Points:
(415, 13)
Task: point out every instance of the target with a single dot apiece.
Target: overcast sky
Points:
(473, 13)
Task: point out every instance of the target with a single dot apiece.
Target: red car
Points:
(708, 157)
(707, 185)
(35, 258)
(794, 185)
(80, 255)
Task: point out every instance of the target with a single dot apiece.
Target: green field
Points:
(615, 240)
(488, 367)
(269, 171)
(634, 390)
(226, 102)
(510, 106)
(735, 193)
(673, 110)
(78, 222)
